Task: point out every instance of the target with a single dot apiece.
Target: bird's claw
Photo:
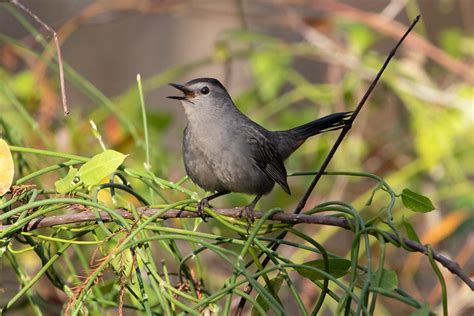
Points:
(200, 209)
(249, 214)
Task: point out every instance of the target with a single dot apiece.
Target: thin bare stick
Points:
(324, 165)
(348, 126)
(58, 50)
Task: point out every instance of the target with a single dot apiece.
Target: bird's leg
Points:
(205, 202)
(248, 211)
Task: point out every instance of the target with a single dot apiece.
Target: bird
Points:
(224, 151)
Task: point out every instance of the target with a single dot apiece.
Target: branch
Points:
(324, 165)
(348, 126)
(90, 216)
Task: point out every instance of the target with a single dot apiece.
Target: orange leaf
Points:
(444, 228)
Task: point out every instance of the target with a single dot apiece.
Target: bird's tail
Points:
(288, 141)
(325, 124)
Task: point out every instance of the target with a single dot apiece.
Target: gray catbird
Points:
(224, 151)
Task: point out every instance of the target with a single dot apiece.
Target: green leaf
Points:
(68, 183)
(337, 268)
(416, 202)
(389, 280)
(100, 166)
(275, 284)
(411, 233)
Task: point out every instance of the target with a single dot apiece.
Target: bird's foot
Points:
(205, 203)
(249, 215)
(200, 209)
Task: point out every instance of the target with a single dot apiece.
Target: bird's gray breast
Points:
(220, 159)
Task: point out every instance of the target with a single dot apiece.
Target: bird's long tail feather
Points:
(327, 123)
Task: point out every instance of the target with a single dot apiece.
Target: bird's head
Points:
(202, 94)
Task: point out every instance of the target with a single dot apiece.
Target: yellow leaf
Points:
(6, 167)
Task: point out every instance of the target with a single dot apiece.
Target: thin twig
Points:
(91, 217)
(348, 126)
(322, 169)
(58, 50)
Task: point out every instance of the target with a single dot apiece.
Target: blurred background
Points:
(284, 63)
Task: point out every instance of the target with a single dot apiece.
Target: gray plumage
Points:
(225, 151)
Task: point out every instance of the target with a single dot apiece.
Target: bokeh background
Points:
(285, 63)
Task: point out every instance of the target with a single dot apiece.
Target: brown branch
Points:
(90, 216)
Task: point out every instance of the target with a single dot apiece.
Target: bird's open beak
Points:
(188, 93)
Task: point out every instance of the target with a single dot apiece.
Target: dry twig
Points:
(58, 50)
(90, 216)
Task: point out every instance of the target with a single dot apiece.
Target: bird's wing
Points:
(268, 160)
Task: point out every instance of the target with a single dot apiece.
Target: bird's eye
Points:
(204, 90)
